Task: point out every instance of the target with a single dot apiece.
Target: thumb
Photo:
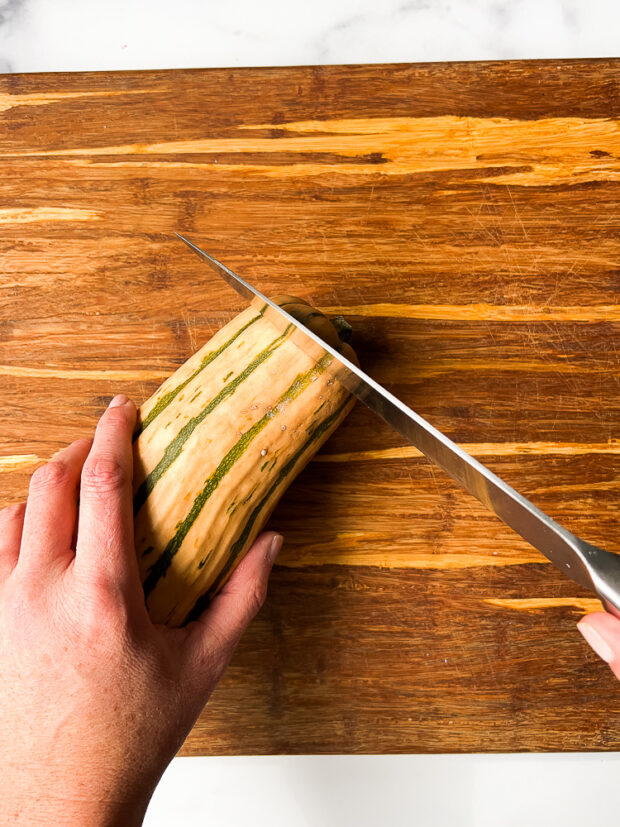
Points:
(602, 632)
(214, 635)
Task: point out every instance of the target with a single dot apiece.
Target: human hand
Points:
(95, 699)
(602, 632)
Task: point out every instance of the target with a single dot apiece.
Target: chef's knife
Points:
(586, 564)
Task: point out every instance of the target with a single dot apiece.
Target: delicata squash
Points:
(217, 445)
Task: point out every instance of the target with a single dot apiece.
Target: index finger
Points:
(105, 542)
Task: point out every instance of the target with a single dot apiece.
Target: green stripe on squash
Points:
(159, 568)
(237, 547)
(168, 397)
(176, 446)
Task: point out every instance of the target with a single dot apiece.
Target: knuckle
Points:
(256, 596)
(108, 598)
(17, 610)
(104, 474)
(117, 417)
(23, 599)
(12, 512)
(218, 642)
(49, 476)
(103, 608)
(212, 657)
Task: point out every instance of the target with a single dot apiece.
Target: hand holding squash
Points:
(95, 699)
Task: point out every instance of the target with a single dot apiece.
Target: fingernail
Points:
(274, 548)
(118, 400)
(596, 641)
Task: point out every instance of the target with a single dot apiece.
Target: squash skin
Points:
(217, 445)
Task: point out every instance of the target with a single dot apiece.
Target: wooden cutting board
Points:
(465, 218)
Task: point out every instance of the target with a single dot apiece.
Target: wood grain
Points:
(465, 218)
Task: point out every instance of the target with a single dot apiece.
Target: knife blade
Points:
(586, 564)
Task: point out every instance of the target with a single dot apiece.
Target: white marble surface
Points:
(390, 791)
(71, 35)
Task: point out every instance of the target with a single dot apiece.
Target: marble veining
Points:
(8, 11)
(65, 35)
